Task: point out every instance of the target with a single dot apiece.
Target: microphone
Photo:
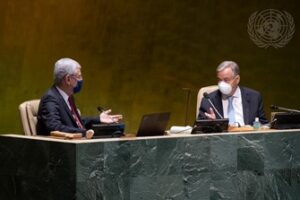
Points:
(274, 107)
(206, 96)
(188, 96)
(100, 109)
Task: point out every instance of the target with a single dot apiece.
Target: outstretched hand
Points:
(105, 117)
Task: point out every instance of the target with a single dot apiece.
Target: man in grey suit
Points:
(57, 109)
(240, 104)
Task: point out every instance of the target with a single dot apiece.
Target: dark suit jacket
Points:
(252, 105)
(55, 115)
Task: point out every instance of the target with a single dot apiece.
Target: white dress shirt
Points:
(237, 106)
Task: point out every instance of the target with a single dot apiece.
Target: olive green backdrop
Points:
(137, 55)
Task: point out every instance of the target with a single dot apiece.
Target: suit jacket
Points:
(251, 100)
(55, 115)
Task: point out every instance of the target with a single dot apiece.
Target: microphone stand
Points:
(284, 109)
(188, 96)
(205, 95)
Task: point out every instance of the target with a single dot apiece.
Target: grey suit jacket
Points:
(251, 100)
(55, 115)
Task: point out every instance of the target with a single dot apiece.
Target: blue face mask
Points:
(78, 86)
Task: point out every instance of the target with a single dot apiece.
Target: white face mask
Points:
(224, 87)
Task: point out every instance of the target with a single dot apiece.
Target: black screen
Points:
(210, 126)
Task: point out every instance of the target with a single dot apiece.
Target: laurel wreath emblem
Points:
(271, 28)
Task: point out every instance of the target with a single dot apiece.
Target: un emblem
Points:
(271, 28)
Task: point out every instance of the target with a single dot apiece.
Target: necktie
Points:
(74, 112)
(230, 111)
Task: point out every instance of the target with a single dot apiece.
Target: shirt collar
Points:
(237, 93)
(63, 94)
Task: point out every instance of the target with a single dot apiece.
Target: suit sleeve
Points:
(52, 117)
(261, 113)
(88, 121)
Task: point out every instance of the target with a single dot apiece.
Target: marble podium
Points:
(235, 166)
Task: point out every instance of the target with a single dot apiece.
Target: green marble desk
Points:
(235, 166)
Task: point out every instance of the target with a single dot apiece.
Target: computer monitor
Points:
(286, 120)
(210, 126)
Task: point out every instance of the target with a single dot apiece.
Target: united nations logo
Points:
(271, 28)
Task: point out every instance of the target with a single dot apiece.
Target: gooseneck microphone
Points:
(274, 107)
(188, 96)
(206, 96)
(100, 109)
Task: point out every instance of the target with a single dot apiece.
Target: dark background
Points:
(137, 55)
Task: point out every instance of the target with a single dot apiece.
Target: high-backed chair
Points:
(28, 111)
(202, 90)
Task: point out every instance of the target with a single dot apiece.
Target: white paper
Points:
(181, 129)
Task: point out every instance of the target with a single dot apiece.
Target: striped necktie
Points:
(75, 113)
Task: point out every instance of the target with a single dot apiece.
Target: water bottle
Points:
(256, 123)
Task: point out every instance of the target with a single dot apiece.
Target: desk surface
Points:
(130, 138)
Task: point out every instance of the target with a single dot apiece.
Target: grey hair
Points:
(63, 67)
(229, 64)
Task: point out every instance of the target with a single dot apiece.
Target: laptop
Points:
(210, 126)
(153, 124)
(286, 120)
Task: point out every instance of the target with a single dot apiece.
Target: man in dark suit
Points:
(240, 104)
(57, 109)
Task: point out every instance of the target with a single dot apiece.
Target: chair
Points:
(28, 111)
(202, 90)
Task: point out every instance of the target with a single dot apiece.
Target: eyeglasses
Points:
(76, 76)
(227, 80)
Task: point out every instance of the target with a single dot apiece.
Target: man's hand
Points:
(105, 117)
(210, 114)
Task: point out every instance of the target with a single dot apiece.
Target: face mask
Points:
(78, 86)
(224, 87)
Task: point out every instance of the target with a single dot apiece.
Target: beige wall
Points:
(137, 55)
